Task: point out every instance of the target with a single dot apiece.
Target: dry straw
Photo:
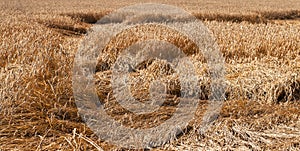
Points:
(37, 109)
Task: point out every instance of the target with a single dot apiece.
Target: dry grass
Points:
(261, 47)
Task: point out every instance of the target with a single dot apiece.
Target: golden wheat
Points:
(261, 48)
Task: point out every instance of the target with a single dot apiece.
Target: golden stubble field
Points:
(260, 41)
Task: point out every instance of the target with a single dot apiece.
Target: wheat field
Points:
(259, 40)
